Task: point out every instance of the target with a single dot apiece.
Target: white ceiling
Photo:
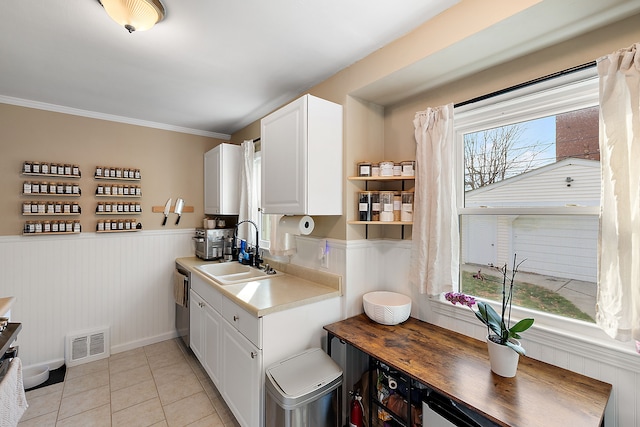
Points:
(211, 66)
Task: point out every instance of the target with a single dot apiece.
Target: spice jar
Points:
(69, 226)
(386, 168)
(34, 207)
(27, 168)
(60, 188)
(66, 207)
(375, 169)
(67, 169)
(397, 169)
(112, 172)
(55, 226)
(35, 167)
(99, 173)
(76, 189)
(107, 190)
(375, 206)
(75, 170)
(407, 206)
(38, 227)
(68, 188)
(62, 226)
(364, 206)
(107, 225)
(76, 226)
(137, 174)
(26, 207)
(75, 208)
(46, 227)
(26, 187)
(61, 169)
(364, 169)
(35, 187)
(106, 173)
(52, 188)
(58, 207)
(386, 206)
(409, 168)
(44, 187)
(42, 208)
(100, 207)
(107, 207)
(100, 226)
(118, 173)
(53, 169)
(397, 206)
(44, 168)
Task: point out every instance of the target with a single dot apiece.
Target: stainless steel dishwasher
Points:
(182, 277)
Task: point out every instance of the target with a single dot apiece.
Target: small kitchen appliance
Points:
(210, 243)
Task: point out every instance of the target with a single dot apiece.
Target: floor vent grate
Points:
(87, 346)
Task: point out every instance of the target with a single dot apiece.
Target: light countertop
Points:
(277, 293)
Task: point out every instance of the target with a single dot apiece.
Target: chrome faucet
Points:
(257, 260)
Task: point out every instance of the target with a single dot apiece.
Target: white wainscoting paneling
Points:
(65, 284)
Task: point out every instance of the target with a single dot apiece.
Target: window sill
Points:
(550, 331)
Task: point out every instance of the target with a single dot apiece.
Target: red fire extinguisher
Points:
(357, 411)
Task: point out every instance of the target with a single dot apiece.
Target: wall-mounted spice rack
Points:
(54, 189)
(113, 190)
(119, 174)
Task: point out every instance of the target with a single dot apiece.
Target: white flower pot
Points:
(504, 360)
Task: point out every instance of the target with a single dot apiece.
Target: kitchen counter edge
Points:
(328, 285)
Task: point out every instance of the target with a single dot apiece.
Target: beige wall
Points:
(376, 133)
(171, 163)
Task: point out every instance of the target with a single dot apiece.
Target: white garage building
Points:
(562, 246)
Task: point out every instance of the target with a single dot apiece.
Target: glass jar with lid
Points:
(407, 206)
(364, 206)
(386, 206)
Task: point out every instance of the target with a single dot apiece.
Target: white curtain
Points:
(618, 302)
(434, 264)
(248, 195)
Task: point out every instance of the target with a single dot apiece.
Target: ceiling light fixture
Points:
(134, 15)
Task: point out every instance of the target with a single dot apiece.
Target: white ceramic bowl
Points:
(387, 308)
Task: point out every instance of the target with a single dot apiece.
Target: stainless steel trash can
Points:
(303, 391)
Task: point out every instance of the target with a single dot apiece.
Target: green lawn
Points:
(525, 295)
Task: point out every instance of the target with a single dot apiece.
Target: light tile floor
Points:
(160, 385)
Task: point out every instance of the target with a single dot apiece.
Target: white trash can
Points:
(303, 391)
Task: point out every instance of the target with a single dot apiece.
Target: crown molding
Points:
(108, 117)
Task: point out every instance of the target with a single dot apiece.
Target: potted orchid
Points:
(499, 330)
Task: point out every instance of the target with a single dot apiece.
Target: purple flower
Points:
(459, 298)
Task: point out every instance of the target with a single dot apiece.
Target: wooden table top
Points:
(458, 367)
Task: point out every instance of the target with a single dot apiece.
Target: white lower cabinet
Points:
(235, 347)
(196, 324)
(205, 334)
(242, 377)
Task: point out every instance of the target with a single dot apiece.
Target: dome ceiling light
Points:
(134, 15)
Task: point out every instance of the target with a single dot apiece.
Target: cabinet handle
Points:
(253, 354)
(201, 304)
(235, 318)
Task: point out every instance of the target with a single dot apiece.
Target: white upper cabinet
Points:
(302, 158)
(222, 180)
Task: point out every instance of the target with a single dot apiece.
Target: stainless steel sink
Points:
(232, 272)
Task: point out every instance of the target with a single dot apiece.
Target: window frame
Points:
(569, 92)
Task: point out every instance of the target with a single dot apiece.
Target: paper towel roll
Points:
(296, 224)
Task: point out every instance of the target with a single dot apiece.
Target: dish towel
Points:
(13, 402)
(178, 288)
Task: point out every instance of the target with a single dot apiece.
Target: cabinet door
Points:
(242, 379)
(284, 159)
(302, 158)
(212, 181)
(222, 180)
(196, 311)
(212, 336)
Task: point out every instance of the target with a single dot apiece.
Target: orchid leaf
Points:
(521, 326)
(517, 348)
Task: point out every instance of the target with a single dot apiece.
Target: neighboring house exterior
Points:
(561, 246)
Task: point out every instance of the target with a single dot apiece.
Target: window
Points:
(529, 185)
